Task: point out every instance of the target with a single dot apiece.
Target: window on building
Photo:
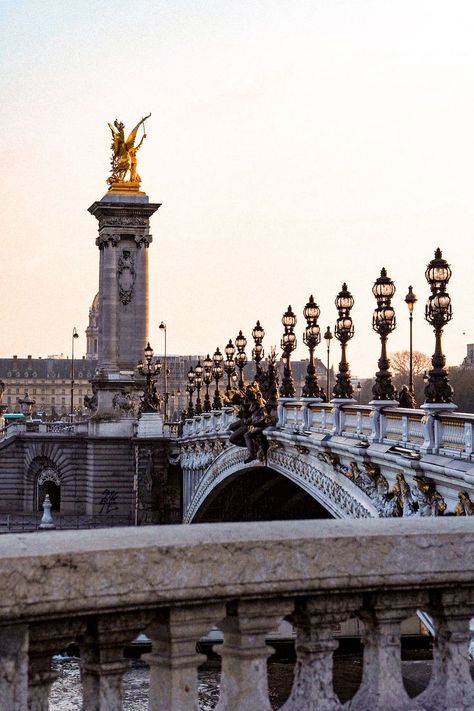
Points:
(53, 400)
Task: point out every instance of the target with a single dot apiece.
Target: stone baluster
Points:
(315, 644)
(46, 639)
(382, 682)
(173, 660)
(13, 667)
(102, 662)
(468, 437)
(451, 687)
(244, 683)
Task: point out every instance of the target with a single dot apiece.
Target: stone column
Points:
(382, 682)
(173, 660)
(46, 639)
(107, 349)
(244, 682)
(451, 685)
(102, 662)
(315, 644)
(13, 667)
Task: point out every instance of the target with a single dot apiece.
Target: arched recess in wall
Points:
(46, 479)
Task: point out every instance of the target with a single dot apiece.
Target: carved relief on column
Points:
(126, 276)
(244, 683)
(13, 667)
(451, 685)
(102, 662)
(382, 682)
(314, 619)
(173, 660)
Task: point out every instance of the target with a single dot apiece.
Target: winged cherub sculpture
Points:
(124, 153)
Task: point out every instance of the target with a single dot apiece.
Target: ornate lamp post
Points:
(207, 377)
(383, 322)
(190, 388)
(438, 312)
(217, 373)
(240, 357)
(198, 371)
(288, 345)
(311, 338)
(410, 300)
(344, 330)
(73, 338)
(150, 370)
(328, 338)
(257, 351)
(229, 363)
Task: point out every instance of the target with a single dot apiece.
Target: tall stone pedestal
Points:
(123, 243)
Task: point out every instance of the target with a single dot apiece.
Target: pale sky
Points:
(294, 145)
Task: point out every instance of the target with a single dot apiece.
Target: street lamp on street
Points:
(74, 336)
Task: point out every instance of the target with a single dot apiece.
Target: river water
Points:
(66, 694)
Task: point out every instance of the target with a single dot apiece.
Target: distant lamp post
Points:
(162, 327)
(198, 371)
(257, 351)
(344, 331)
(190, 388)
(207, 377)
(73, 338)
(150, 370)
(240, 357)
(328, 338)
(410, 300)
(311, 338)
(359, 390)
(383, 322)
(288, 345)
(217, 373)
(229, 363)
(438, 312)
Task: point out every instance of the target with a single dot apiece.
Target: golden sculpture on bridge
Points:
(124, 157)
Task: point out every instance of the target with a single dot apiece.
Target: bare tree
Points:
(400, 362)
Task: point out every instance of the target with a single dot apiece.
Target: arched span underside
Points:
(335, 494)
(258, 494)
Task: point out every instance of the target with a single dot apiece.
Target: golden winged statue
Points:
(124, 157)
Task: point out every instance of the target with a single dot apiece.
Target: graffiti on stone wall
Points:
(108, 502)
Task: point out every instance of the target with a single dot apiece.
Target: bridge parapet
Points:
(245, 578)
(444, 433)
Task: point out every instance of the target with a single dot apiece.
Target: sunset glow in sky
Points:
(294, 146)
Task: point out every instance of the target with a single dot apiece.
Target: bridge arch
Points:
(329, 494)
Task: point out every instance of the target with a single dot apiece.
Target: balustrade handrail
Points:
(49, 574)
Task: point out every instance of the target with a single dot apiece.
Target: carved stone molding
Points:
(124, 221)
(49, 474)
(107, 239)
(325, 488)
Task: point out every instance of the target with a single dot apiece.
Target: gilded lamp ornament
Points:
(124, 157)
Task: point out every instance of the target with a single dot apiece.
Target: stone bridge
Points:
(349, 461)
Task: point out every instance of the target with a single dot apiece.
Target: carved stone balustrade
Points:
(176, 582)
